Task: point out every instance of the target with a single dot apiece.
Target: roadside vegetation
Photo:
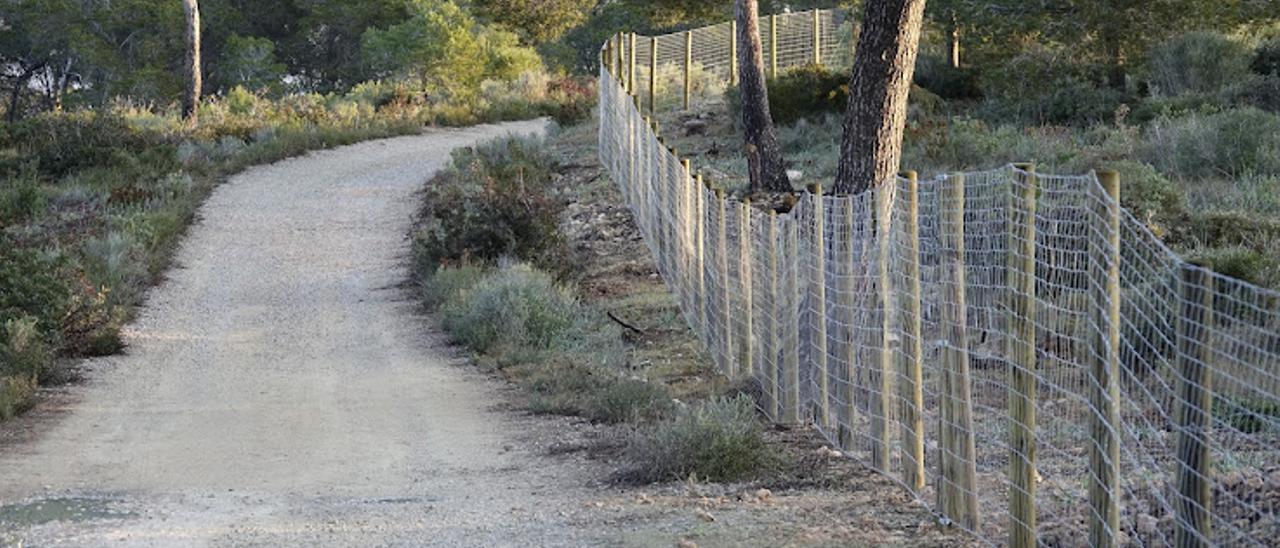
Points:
(100, 175)
(493, 263)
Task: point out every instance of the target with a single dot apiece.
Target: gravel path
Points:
(279, 388)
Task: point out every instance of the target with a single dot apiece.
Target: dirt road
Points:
(280, 388)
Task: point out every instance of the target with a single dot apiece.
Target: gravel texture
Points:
(278, 389)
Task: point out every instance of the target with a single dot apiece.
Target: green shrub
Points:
(60, 143)
(1047, 86)
(1155, 108)
(935, 74)
(1147, 194)
(1237, 262)
(1257, 91)
(1230, 143)
(628, 400)
(440, 285)
(116, 262)
(516, 306)
(571, 100)
(491, 204)
(1266, 59)
(1255, 194)
(717, 440)
(1196, 62)
(31, 286)
(21, 199)
(802, 93)
(23, 350)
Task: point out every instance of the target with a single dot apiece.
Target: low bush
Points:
(1148, 195)
(1238, 262)
(447, 283)
(1266, 59)
(23, 350)
(803, 93)
(1258, 91)
(935, 74)
(21, 199)
(1196, 62)
(24, 355)
(515, 306)
(491, 204)
(628, 400)
(32, 286)
(1046, 86)
(717, 440)
(1229, 143)
(61, 143)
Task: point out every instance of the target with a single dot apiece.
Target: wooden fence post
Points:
(631, 66)
(686, 229)
(882, 433)
(688, 68)
(653, 75)
(729, 367)
(819, 306)
(958, 492)
(745, 278)
(733, 52)
(771, 328)
(642, 170)
(913, 346)
(700, 227)
(773, 45)
(817, 37)
(791, 302)
(1194, 502)
(847, 315)
(1104, 461)
(620, 51)
(1021, 351)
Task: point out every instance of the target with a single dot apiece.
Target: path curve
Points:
(280, 388)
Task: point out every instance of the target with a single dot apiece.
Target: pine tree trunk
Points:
(953, 42)
(1116, 72)
(874, 122)
(191, 100)
(764, 156)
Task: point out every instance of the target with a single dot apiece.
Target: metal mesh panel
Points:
(1019, 352)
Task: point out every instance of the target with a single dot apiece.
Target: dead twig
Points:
(626, 325)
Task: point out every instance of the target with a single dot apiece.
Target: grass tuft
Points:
(717, 440)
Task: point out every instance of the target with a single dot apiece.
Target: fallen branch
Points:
(628, 326)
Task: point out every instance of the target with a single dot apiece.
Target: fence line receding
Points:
(1016, 349)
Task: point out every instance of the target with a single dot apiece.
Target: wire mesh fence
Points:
(1017, 350)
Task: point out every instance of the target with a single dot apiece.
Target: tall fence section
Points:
(1013, 347)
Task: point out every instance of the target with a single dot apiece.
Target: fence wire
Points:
(1023, 355)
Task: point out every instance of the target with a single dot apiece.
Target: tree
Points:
(249, 61)
(31, 57)
(764, 155)
(535, 22)
(443, 48)
(191, 99)
(876, 116)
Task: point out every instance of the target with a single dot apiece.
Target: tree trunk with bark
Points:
(764, 156)
(191, 99)
(19, 84)
(953, 42)
(876, 116)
